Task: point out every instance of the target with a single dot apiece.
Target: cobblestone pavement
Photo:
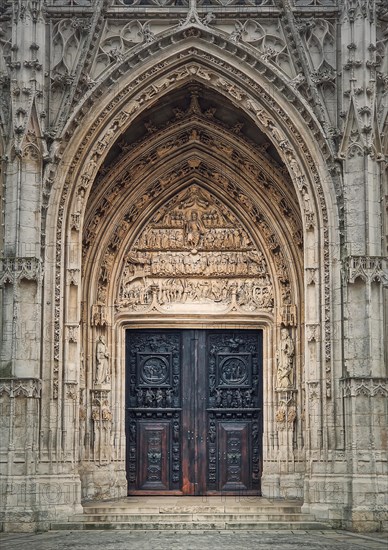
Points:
(161, 540)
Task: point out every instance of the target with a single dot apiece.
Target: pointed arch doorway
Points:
(198, 230)
(194, 411)
(194, 393)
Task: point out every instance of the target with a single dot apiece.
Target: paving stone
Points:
(156, 540)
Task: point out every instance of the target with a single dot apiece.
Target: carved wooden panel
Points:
(234, 456)
(154, 456)
(234, 413)
(193, 411)
(153, 415)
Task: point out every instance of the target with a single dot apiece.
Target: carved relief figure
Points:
(194, 230)
(285, 361)
(102, 362)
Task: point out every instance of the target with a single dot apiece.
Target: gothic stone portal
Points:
(194, 411)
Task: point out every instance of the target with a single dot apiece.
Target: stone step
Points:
(108, 510)
(187, 517)
(191, 526)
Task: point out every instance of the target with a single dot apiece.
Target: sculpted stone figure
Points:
(285, 361)
(102, 362)
(194, 229)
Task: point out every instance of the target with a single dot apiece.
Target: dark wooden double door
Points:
(193, 411)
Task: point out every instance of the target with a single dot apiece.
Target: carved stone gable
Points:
(194, 256)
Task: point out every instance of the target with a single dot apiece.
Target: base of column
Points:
(103, 481)
(355, 503)
(31, 503)
(287, 486)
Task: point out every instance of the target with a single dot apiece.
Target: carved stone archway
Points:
(272, 114)
(239, 174)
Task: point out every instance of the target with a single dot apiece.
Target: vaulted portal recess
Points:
(194, 411)
(193, 287)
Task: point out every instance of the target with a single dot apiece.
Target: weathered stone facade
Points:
(194, 164)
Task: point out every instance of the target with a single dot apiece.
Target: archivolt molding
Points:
(273, 246)
(138, 187)
(191, 139)
(188, 65)
(279, 204)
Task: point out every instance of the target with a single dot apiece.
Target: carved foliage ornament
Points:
(285, 417)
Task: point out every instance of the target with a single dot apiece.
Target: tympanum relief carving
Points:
(194, 256)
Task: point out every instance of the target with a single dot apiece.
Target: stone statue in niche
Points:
(285, 361)
(102, 362)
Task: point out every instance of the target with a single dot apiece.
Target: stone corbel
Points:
(99, 316)
(100, 405)
(287, 315)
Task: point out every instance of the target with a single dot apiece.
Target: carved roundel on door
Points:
(234, 369)
(155, 369)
